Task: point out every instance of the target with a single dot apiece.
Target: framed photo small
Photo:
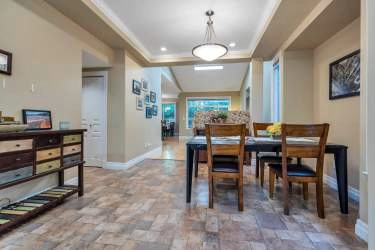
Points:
(5, 62)
(144, 85)
(37, 119)
(344, 76)
(136, 87)
(139, 103)
(148, 112)
(147, 99)
(154, 110)
(152, 97)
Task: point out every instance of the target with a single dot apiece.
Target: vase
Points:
(276, 137)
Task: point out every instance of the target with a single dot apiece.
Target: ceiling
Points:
(180, 25)
(228, 79)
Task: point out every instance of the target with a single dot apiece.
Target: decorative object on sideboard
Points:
(154, 110)
(152, 97)
(64, 125)
(9, 124)
(137, 86)
(344, 76)
(139, 103)
(37, 119)
(144, 85)
(5, 62)
(148, 112)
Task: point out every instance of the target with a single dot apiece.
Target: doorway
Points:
(94, 117)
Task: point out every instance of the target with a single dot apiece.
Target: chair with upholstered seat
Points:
(300, 172)
(225, 156)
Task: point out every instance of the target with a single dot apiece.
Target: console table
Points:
(29, 155)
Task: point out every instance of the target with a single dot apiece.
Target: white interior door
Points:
(94, 119)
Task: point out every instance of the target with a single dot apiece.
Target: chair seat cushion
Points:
(225, 164)
(294, 170)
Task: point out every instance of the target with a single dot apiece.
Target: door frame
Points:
(103, 74)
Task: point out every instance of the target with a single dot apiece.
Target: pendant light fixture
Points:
(209, 50)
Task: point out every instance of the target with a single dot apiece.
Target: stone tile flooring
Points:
(144, 208)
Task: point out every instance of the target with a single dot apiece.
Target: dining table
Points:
(272, 145)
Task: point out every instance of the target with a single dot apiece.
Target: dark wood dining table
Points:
(339, 152)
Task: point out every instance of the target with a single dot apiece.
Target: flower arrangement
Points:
(274, 130)
(221, 117)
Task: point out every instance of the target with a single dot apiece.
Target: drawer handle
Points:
(18, 159)
(50, 166)
(18, 145)
(50, 140)
(73, 149)
(17, 175)
(73, 139)
(50, 153)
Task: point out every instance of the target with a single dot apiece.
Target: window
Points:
(169, 112)
(276, 90)
(204, 104)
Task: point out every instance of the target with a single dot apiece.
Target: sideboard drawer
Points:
(47, 166)
(72, 149)
(16, 174)
(71, 160)
(16, 145)
(48, 140)
(72, 139)
(16, 160)
(48, 154)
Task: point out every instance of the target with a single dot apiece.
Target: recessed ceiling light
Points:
(232, 45)
(163, 49)
(208, 67)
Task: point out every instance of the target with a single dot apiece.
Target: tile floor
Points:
(144, 208)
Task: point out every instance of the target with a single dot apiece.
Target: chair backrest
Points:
(230, 147)
(258, 127)
(302, 148)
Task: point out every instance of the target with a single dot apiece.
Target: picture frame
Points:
(5, 62)
(37, 119)
(136, 87)
(147, 99)
(344, 76)
(154, 110)
(148, 112)
(139, 103)
(144, 85)
(152, 97)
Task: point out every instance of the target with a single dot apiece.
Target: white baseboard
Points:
(134, 161)
(361, 230)
(332, 183)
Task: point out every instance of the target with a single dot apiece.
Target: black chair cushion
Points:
(294, 170)
(225, 164)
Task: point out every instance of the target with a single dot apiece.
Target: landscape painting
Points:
(344, 75)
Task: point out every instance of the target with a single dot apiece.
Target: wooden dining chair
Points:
(218, 150)
(300, 172)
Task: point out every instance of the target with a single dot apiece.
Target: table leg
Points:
(80, 179)
(61, 178)
(196, 158)
(342, 178)
(189, 171)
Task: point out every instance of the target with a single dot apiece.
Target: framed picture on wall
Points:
(144, 85)
(137, 86)
(344, 76)
(37, 119)
(147, 99)
(139, 103)
(148, 112)
(152, 97)
(5, 62)
(154, 110)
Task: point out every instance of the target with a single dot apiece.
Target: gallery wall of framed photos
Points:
(145, 98)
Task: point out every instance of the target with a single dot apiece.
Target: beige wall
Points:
(343, 114)
(49, 58)
(140, 131)
(235, 105)
(297, 87)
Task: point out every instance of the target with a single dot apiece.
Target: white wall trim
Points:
(353, 193)
(361, 229)
(134, 161)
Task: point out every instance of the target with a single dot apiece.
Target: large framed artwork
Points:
(5, 62)
(344, 76)
(37, 119)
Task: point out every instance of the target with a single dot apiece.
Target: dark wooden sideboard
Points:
(29, 155)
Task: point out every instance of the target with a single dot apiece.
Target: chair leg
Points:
(196, 157)
(240, 194)
(210, 191)
(261, 169)
(319, 199)
(286, 195)
(305, 187)
(257, 165)
(290, 186)
(271, 182)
